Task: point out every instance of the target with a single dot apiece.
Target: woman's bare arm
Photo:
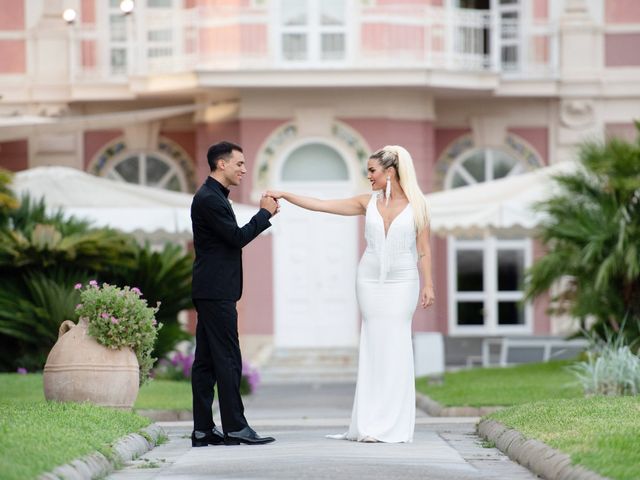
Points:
(346, 206)
(427, 296)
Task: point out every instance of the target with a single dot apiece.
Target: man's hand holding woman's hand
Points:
(270, 203)
(275, 194)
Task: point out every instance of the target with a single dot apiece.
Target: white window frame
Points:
(104, 13)
(110, 169)
(170, 19)
(490, 296)
(489, 245)
(517, 42)
(458, 166)
(313, 31)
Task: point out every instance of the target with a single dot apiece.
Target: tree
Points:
(592, 236)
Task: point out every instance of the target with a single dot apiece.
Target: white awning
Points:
(125, 206)
(503, 204)
(22, 126)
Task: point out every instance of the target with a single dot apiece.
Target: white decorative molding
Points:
(142, 136)
(339, 134)
(577, 113)
(312, 122)
(488, 131)
(576, 7)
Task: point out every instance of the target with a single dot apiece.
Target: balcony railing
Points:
(155, 42)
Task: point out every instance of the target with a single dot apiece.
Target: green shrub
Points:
(611, 368)
(43, 254)
(119, 317)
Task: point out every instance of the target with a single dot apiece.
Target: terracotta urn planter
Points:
(79, 369)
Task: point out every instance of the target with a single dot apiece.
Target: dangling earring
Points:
(387, 192)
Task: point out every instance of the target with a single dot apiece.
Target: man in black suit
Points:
(217, 286)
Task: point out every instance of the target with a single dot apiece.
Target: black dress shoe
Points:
(205, 438)
(246, 435)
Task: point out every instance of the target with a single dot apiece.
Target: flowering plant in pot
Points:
(119, 318)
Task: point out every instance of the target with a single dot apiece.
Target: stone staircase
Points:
(310, 365)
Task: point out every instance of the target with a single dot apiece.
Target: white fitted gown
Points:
(387, 289)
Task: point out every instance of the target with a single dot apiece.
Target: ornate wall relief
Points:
(577, 113)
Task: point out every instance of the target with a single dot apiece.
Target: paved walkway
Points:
(299, 416)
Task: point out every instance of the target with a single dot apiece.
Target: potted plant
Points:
(107, 355)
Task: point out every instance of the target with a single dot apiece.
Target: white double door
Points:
(315, 261)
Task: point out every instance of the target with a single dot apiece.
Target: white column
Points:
(581, 64)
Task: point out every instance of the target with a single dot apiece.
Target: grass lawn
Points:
(36, 436)
(165, 395)
(600, 433)
(503, 386)
(156, 395)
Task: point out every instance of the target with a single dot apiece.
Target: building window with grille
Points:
(313, 31)
(486, 273)
(149, 169)
(119, 32)
(167, 167)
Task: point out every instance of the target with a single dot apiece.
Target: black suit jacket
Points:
(218, 242)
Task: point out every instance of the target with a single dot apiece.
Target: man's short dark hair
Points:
(221, 150)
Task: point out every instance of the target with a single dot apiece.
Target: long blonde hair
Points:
(399, 158)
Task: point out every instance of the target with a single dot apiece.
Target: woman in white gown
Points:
(388, 290)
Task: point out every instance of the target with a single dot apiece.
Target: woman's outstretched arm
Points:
(346, 206)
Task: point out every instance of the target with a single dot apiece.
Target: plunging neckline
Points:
(386, 231)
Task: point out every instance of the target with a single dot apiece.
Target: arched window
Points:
(168, 166)
(482, 165)
(314, 162)
(486, 273)
(151, 169)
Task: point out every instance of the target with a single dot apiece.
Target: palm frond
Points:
(592, 233)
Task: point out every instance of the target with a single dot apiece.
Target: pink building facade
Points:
(475, 90)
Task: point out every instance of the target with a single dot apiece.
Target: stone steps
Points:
(310, 366)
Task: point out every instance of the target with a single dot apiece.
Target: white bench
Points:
(540, 349)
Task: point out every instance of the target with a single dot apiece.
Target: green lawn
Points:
(165, 395)
(503, 386)
(155, 395)
(600, 433)
(37, 436)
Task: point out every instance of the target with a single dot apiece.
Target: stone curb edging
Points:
(538, 457)
(166, 415)
(96, 465)
(433, 408)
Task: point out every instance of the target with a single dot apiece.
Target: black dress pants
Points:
(217, 360)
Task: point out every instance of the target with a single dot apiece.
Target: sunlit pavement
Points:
(300, 416)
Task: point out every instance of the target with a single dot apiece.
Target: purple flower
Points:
(22, 371)
(136, 290)
(114, 320)
(104, 315)
(252, 375)
(77, 286)
(174, 361)
(93, 283)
